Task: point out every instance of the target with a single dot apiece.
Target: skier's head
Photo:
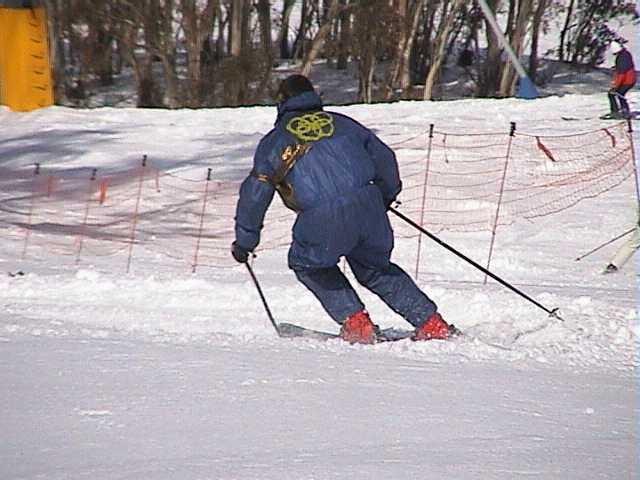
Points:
(616, 47)
(292, 86)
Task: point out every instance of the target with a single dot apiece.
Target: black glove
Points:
(388, 203)
(240, 254)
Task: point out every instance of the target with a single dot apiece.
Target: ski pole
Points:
(264, 300)
(552, 313)
(605, 244)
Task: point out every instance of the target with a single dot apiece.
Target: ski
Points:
(570, 119)
(634, 116)
(292, 331)
(619, 117)
(289, 330)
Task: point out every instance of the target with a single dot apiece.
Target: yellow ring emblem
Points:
(311, 127)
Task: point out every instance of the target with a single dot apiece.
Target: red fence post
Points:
(504, 176)
(424, 196)
(104, 186)
(27, 235)
(83, 228)
(134, 221)
(204, 207)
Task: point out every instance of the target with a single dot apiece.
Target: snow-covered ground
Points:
(165, 374)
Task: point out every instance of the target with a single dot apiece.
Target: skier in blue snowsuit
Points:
(340, 179)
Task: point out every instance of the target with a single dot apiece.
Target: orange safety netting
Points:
(473, 182)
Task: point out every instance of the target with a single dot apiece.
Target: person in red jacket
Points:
(624, 78)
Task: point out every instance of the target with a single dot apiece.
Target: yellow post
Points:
(25, 72)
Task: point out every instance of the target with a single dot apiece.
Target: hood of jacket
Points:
(305, 102)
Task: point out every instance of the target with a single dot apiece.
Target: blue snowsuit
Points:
(339, 178)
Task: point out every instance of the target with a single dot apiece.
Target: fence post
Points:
(27, 234)
(83, 228)
(134, 221)
(635, 160)
(504, 176)
(157, 178)
(204, 207)
(424, 196)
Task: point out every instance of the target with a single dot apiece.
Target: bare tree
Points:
(308, 10)
(283, 36)
(373, 20)
(536, 25)
(163, 47)
(220, 52)
(264, 19)
(197, 25)
(399, 74)
(235, 27)
(138, 34)
(365, 49)
(565, 30)
(516, 32)
(245, 63)
(588, 31)
(344, 36)
(58, 24)
(492, 66)
(333, 8)
(444, 30)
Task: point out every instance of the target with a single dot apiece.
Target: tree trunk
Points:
(143, 73)
(236, 24)
(197, 25)
(164, 48)
(404, 72)
(283, 36)
(441, 45)
(565, 30)
(399, 75)
(424, 54)
(148, 92)
(264, 18)
(490, 72)
(222, 25)
(344, 37)
(140, 57)
(366, 67)
(393, 73)
(55, 19)
(535, 35)
(518, 33)
(104, 57)
(321, 36)
(306, 17)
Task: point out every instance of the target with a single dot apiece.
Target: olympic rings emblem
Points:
(311, 127)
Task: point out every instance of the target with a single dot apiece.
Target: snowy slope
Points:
(163, 374)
